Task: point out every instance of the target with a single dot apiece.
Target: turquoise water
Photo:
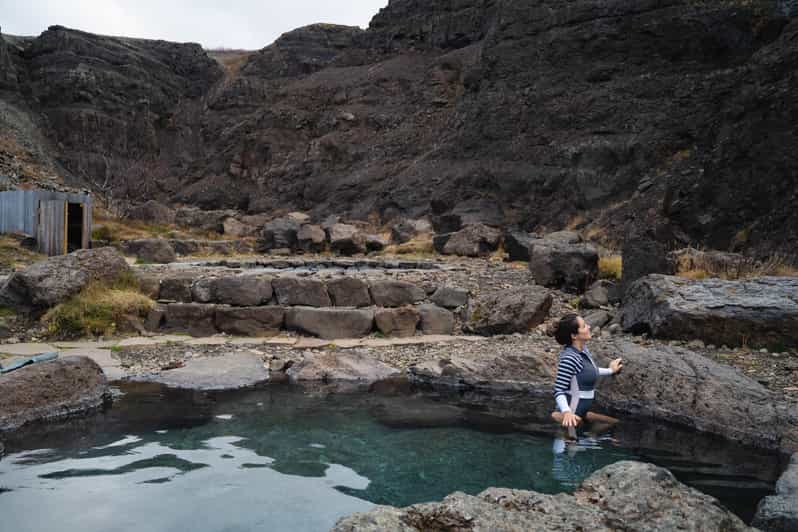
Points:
(282, 459)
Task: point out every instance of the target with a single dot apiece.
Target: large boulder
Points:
(476, 240)
(51, 281)
(399, 322)
(176, 287)
(516, 244)
(558, 263)
(295, 291)
(242, 290)
(395, 293)
(509, 311)
(197, 319)
(755, 312)
(152, 250)
(346, 239)
(311, 238)
(47, 391)
(152, 212)
(779, 512)
(436, 320)
(280, 233)
(449, 297)
(250, 321)
(204, 220)
(330, 323)
(641, 256)
(625, 495)
(349, 292)
(336, 366)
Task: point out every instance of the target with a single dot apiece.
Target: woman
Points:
(577, 374)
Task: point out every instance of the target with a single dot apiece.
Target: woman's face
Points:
(583, 334)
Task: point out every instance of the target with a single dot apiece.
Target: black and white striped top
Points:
(571, 364)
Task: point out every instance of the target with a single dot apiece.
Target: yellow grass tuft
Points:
(97, 309)
(610, 267)
(13, 256)
(420, 245)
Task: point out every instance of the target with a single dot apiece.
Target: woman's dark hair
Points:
(568, 325)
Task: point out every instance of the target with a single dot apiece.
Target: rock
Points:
(242, 290)
(508, 311)
(559, 264)
(204, 220)
(47, 391)
(177, 288)
(155, 318)
(203, 290)
(346, 239)
(229, 372)
(755, 312)
(150, 250)
(395, 293)
(330, 323)
(678, 386)
(563, 237)
(52, 281)
(516, 244)
(597, 318)
(400, 322)
(185, 247)
(196, 319)
(642, 255)
(439, 241)
(152, 212)
(375, 243)
(475, 240)
(436, 320)
(325, 366)
(479, 212)
(779, 512)
(279, 233)
(449, 297)
(311, 238)
(349, 292)
(731, 265)
(638, 495)
(236, 228)
(598, 295)
(250, 321)
(294, 291)
(402, 231)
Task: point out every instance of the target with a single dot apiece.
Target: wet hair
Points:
(568, 325)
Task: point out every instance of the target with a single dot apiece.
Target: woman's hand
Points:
(616, 365)
(569, 419)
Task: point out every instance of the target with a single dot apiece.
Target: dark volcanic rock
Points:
(757, 312)
(279, 233)
(330, 323)
(352, 366)
(395, 293)
(509, 311)
(152, 212)
(242, 290)
(642, 256)
(151, 250)
(196, 319)
(557, 264)
(449, 297)
(436, 320)
(400, 321)
(294, 291)
(250, 321)
(516, 244)
(51, 281)
(779, 512)
(346, 239)
(349, 292)
(311, 238)
(476, 240)
(638, 495)
(65, 387)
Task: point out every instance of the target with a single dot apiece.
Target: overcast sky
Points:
(249, 24)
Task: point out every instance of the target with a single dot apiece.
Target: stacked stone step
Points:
(261, 305)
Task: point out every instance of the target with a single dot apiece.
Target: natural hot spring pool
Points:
(283, 459)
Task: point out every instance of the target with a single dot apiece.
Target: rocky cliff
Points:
(608, 115)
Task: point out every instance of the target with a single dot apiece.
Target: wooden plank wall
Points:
(52, 227)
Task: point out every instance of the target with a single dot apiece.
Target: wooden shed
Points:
(59, 221)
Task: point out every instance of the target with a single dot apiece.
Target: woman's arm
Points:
(615, 366)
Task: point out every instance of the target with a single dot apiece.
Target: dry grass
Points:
(698, 264)
(114, 229)
(610, 267)
(97, 309)
(420, 245)
(13, 256)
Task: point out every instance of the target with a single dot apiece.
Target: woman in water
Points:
(577, 373)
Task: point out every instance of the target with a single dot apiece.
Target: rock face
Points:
(779, 512)
(329, 116)
(625, 495)
(67, 386)
(51, 281)
(757, 312)
(509, 311)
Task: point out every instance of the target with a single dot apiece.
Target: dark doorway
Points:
(74, 227)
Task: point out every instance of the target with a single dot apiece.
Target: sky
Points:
(247, 24)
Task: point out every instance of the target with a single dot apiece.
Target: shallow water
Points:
(283, 459)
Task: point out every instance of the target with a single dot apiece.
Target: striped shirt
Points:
(571, 363)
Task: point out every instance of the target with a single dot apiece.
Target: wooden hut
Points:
(60, 221)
